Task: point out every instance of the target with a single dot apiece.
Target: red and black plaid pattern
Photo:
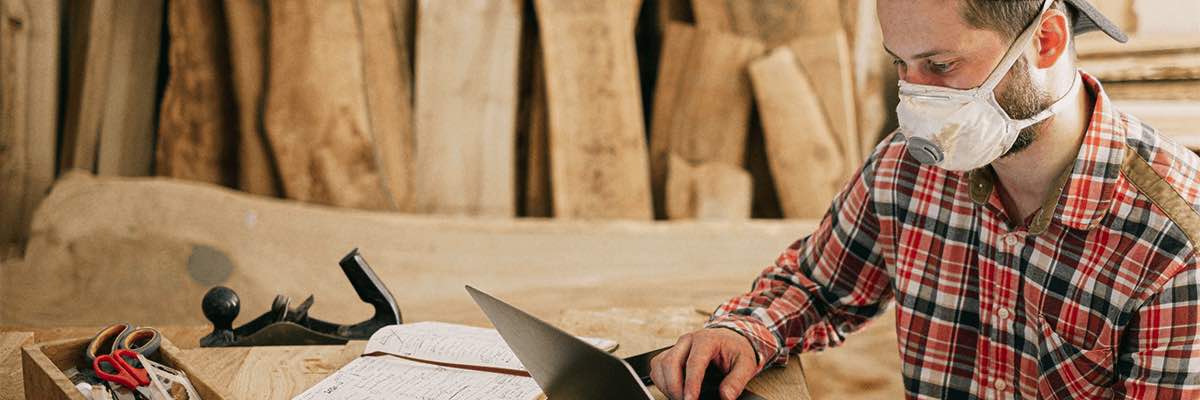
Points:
(1095, 296)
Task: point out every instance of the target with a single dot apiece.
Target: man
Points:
(1036, 241)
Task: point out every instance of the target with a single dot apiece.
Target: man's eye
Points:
(940, 68)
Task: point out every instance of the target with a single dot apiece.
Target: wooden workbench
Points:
(281, 372)
(285, 371)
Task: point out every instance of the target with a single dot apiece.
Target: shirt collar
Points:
(1084, 191)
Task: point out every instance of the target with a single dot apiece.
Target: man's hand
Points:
(679, 371)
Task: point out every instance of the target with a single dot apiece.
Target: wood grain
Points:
(825, 57)
(10, 355)
(29, 57)
(599, 166)
(466, 106)
(709, 191)
(1154, 90)
(247, 22)
(126, 135)
(701, 102)
(1142, 67)
(196, 127)
(874, 79)
(98, 235)
(800, 145)
(386, 26)
(89, 57)
(316, 117)
(538, 197)
(774, 22)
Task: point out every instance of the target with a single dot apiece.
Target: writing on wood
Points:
(599, 166)
(800, 146)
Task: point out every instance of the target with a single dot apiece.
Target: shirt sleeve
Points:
(822, 287)
(1161, 356)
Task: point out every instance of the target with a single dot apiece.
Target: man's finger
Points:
(738, 376)
(698, 360)
(672, 367)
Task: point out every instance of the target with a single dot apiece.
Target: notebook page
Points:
(380, 378)
(453, 344)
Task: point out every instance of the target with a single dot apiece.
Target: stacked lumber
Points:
(1153, 77)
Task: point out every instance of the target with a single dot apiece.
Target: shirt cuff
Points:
(766, 345)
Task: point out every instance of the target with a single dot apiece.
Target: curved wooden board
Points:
(247, 24)
(801, 151)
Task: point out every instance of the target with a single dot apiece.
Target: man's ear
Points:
(1052, 39)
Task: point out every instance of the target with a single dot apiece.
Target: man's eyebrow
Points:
(926, 54)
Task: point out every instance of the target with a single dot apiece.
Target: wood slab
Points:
(800, 145)
(247, 24)
(387, 58)
(1178, 120)
(126, 135)
(874, 79)
(98, 235)
(826, 58)
(29, 57)
(538, 197)
(1154, 90)
(196, 127)
(89, 55)
(317, 110)
(774, 22)
(598, 161)
(466, 102)
(701, 102)
(708, 191)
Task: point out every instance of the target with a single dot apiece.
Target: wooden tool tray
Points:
(43, 365)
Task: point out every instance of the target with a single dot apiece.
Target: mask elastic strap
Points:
(1014, 51)
(1058, 105)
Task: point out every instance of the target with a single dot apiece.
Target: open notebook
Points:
(434, 360)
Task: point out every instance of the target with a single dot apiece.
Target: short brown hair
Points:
(1008, 17)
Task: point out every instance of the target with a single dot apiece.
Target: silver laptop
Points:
(567, 368)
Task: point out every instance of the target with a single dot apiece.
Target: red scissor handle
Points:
(119, 367)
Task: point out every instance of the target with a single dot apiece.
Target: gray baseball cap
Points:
(1088, 18)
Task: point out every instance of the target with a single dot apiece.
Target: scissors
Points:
(123, 368)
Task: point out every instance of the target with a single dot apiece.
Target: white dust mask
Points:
(961, 130)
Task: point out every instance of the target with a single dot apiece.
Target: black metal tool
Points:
(283, 325)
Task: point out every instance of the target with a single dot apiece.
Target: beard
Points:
(1021, 98)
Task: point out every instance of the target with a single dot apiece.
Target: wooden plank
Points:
(196, 129)
(10, 355)
(800, 145)
(387, 58)
(1154, 90)
(874, 80)
(701, 102)
(466, 106)
(1168, 17)
(102, 234)
(709, 191)
(247, 22)
(1100, 46)
(126, 135)
(774, 22)
(1178, 120)
(825, 56)
(316, 116)
(29, 57)
(599, 166)
(537, 179)
(1140, 67)
(89, 58)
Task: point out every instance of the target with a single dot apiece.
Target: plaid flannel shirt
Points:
(1094, 296)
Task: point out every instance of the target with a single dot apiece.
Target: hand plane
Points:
(284, 325)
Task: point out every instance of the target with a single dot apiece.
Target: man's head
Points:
(957, 44)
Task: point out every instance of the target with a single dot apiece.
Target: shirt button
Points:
(1002, 313)
(1001, 386)
(1010, 240)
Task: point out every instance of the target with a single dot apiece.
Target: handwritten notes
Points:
(370, 378)
(453, 344)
